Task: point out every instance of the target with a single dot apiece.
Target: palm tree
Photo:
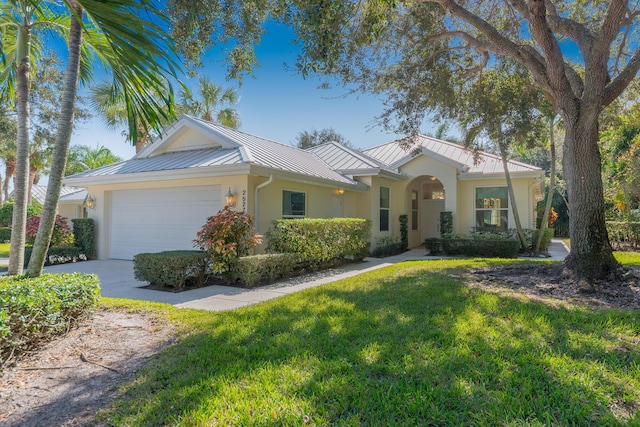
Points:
(138, 54)
(83, 157)
(111, 107)
(210, 102)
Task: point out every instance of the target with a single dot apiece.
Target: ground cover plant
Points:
(410, 344)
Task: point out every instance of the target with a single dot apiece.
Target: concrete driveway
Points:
(116, 281)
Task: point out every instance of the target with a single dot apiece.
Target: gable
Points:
(186, 134)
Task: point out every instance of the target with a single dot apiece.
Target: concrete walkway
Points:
(116, 281)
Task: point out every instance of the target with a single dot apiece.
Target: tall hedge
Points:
(84, 236)
(319, 241)
(624, 234)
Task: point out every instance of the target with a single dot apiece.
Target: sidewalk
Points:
(116, 281)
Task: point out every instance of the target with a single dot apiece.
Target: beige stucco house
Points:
(160, 198)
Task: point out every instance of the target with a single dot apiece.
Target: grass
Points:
(403, 345)
(4, 250)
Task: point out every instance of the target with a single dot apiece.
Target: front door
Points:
(431, 209)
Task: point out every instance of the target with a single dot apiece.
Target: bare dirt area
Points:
(546, 282)
(65, 382)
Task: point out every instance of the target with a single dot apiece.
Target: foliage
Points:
(624, 235)
(409, 344)
(58, 255)
(32, 311)
(6, 212)
(306, 139)
(446, 222)
(404, 231)
(83, 158)
(387, 246)
(433, 245)
(213, 103)
(481, 244)
(545, 243)
(171, 268)
(61, 237)
(84, 236)
(320, 241)
(254, 270)
(5, 234)
(225, 237)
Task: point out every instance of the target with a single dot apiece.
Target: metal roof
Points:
(395, 154)
(249, 150)
(67, 193)
(341, 158)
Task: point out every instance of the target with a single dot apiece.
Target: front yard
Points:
(408, 344)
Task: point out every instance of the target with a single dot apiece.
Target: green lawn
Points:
(404, 345)
(4, 250)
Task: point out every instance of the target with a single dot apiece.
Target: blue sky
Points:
(276, 103)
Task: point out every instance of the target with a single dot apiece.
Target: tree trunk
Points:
(32, 179)
(19, 219)
(512, 196)
(10, 170)
(552, 182)
(591, 256)
(61, 149)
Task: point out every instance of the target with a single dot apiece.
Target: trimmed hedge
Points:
(485, 245)
(388, 246)
(171, 268)
(254, 270)
(546, 239)
(84, 236)
(57, 255)
(5, 234)
(34, 309)
(624, 234)
(320, 241)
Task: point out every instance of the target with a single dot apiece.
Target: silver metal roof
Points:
(393, 154)
(341, 158)
(249, 150)
(67, 193)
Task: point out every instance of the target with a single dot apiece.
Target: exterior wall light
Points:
(90, 202)
(341, 191)
(230, 198)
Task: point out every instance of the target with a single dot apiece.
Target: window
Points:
(414, 210)
(492, 208)
(294, 204)
(384, 209)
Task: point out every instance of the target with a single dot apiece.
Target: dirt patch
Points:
(546, 281)
(69, 379)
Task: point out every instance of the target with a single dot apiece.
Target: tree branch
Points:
(622, 80)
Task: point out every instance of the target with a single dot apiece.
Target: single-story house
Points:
(71, 203)
(161, 197)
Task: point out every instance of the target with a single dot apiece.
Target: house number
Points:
(244, 200)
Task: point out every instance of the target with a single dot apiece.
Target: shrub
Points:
(624, 234)
(433, 245)
(446, 223)
(485, 245)
(61, 237)
(257, 269)
(84, 236)
(6, 212)
(387, 246)
(171, 268)
(320, 241)
(225, 237)
(34, 309)
(5, 234)
(546, 239)
(57, 255)
(404, 232)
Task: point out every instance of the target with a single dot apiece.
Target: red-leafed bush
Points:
(225, 237)
(61, 237)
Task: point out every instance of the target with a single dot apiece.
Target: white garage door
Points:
(159, 219)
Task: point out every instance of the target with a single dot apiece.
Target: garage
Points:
(159, 219)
